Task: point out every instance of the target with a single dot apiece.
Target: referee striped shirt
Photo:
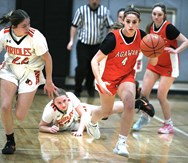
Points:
(92, 24)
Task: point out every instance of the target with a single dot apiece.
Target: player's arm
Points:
(184, 44)
(49, 87)
(47, 127)
(96, 71)
(83, 117)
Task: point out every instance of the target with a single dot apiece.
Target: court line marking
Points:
(169, 156)
(132, 154)
(175, 128)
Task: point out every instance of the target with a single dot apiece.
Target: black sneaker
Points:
(9, 148)
(143, 104)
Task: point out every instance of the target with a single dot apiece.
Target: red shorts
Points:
(114, 84)
(164, 71)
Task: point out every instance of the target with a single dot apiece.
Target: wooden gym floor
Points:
(146, 146)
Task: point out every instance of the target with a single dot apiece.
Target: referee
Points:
(90, 23)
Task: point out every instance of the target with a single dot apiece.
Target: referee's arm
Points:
(73, 32)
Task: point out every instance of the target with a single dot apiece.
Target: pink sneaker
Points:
(166, 129)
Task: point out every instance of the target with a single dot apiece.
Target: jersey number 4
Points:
(124, 61)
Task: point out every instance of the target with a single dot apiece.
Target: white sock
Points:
(122, 138)
(145, 115)
(93, 124)
(169, 121)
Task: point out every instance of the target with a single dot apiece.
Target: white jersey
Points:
(64, 121)
(25, 50)
(24, 63)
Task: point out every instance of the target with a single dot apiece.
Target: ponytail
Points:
(14, 17)
(6, 18)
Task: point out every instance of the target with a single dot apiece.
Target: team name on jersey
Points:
(127, 53)
(18, 51)
(65, 118)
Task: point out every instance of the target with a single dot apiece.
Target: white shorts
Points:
(25, 79)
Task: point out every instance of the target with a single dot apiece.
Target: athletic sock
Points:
(122, 138)
(169, 121)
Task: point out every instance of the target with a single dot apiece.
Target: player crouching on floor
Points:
(66, 113)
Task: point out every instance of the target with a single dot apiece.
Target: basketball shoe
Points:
(121, 149)
(166, 129)
(93, 129)
(143, 120)
(144, 105)
(9, 148)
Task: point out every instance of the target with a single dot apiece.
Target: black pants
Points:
(83, 70)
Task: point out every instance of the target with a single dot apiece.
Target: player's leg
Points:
(163, 89)
(8, 91)
(24, 101)
(126, 92)
(148, 82)
(97, 114)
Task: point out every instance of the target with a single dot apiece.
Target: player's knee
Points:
(20, 116)
(161, 96)
(6, 108)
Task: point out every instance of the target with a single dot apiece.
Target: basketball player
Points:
(138, 66)
(25, 57)
(66, 112)
(122, 48)
(167, 68)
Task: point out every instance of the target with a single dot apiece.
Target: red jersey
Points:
(121, 61)
(168, 64)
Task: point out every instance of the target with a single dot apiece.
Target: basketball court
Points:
(146, 146)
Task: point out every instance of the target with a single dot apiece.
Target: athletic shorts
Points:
(25, 79)
(164, 71)
(114, 85)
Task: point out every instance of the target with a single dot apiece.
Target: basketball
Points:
(152, 45)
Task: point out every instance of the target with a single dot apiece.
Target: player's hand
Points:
(50, 88)
(76, 133)
(153, 61)
(170, 50)
(53, 129)
(104, 89)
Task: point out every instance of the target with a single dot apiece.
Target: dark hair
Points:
(161, 5)
(132, 10)
(117, 25)
(163, 8)
(14, 17)
(121, 9)
(59, 92)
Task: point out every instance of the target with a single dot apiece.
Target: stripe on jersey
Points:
(7, 30)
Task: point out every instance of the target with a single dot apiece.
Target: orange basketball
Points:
(152, 45)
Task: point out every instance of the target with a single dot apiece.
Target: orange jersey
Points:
(168, 64)
(121, 61)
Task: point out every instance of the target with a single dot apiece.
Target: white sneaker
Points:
(93, 130)
(121, 149)
(143, 120)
